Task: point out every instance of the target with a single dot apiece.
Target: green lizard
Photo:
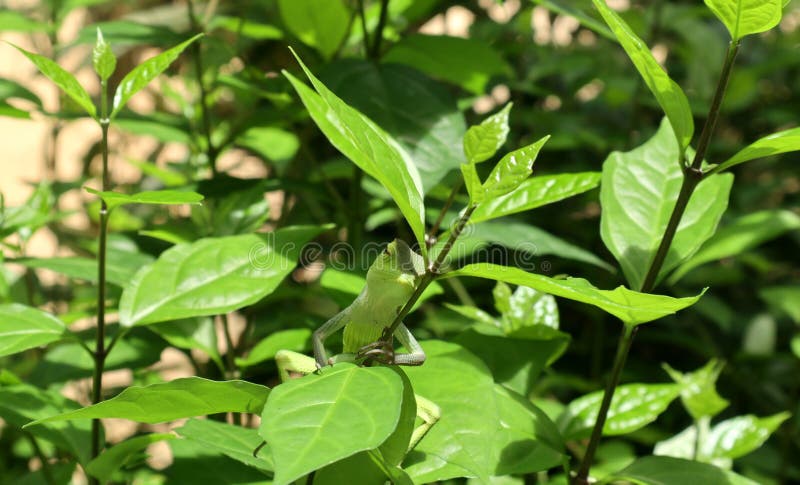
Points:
(391, 280)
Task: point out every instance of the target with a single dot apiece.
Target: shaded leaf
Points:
(469, 63)
(295, 339)
(115, 458)
(667, 470)
(698, 389)
(785, 298)
(321, 24)
(743, 234)
(632, 307)
(236, 442)
(195, 462)
(739, 436)
(322, 418)
(191, 333)
(23, 327)
(141, 75)
(168, 401)
(669, 95)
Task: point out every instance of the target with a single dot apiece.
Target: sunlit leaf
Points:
(511, 170)
(746, 17)
(698, 389)
(161, 197)
(774, 144)
(115, 458)
(668, 470)
(23, 327)
(322, 24)
(482, 141)
(103, 59)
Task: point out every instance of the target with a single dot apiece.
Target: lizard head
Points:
(397, 264)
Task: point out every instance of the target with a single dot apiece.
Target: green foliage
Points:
(254, 202)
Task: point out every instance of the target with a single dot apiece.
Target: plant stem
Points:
(211, 151)
(430, 239)
(431, 273)
(47, 472)
(378, 37)
(692, 176)
(623, 348)
(99, 349)
(364, 36)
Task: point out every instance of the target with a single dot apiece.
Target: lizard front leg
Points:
(326, 330)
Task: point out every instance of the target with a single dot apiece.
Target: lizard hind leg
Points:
(429, 412)
(289, 362)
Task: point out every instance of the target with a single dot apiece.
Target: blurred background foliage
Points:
(227, 124)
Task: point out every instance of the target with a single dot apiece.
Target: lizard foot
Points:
(381, 351)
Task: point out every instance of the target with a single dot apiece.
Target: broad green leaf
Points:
(682, 445)
(141, 75)
(191, 333)
(212, 276)
(482, 141)
(577, 9)
(512, 170)
(739, 436)
(162, 197)
(103, 59)
(784, 298)
(536, 192)
(115, 458)
(368, 146)
(632, 407)
(64, 80)
(774, 144)
(698, 389)
(638, 194)
(746, 17)
(632, 307)
(362, 468)
(742, 235)
(668, 94)
(11, 89)
(295, 339)
(131, 33)
(168, 401)
(245, 27)
(795, 345)
(236, 442)
(416, 111)
(484, 429)
(163, 127)
(322, 24)
(473, 183)
(78, 267)
(194, 462)
(272, 143)
(469, 63)
(21, 403)
(516, 359)
(23, 327)
(169, 178)
(667, 470)
(322, 418)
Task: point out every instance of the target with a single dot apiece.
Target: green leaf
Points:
(368, 146)
(739, 436)
(784, 298)
(77, 267)
(194, 462)
(667, 470)
(23, 327)
(536, 192)
(212, 276)
(638, 193)
(668, 94)
(295, 339)
(774, 144)
(271, 143)
(473, 183)
(632, 407)
(21, 403)
(416, 111)
(191, 333)
(469, 63)
(512, 170)
(145, 72)
(632, 307)
(746, 17)
(322, 24)
(482, 141)
(236, 442)
(161, 197)
(11, 20)
(115, 458)
(103, 59)
(577, 9)
(168, 401)
(131, 33)
(698, 390)
(484, 429)
(743, 234)
(11, 89)
(64, 80)
(322, 418)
